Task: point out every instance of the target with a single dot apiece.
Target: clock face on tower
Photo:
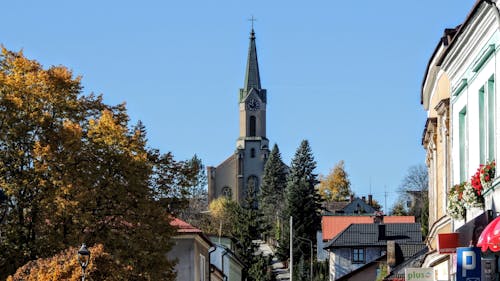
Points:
(253, 104)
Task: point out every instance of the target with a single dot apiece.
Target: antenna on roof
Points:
(370, 183)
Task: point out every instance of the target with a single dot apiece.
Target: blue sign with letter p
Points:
(468, 264)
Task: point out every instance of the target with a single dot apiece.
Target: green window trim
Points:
(462, 120)
(458, 89)
(491, 118)
(483, 57)
(482, 127)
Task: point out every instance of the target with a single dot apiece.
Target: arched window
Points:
(252, 153)
(253, 125)
(226, 191)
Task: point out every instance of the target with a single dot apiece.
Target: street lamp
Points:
(309, 240)
(83, 259)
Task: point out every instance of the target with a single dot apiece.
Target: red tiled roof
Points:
(333, 225)
(184, 227)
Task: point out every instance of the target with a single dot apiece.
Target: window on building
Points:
(358, 255)
(252, 153)
(486, 100)
(463, 146)
(202, 268)
(491, 119)
(253, 125)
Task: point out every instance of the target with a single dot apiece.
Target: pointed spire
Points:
(252, 76)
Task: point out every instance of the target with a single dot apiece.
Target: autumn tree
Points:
(303, 202)
(73, 170)
(336, 185)
(272, 193)
(221, 217)
(65, 266)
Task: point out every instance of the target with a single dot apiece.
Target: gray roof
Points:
(356, 206)
(415, 260)
(252, 76)
(370, 234)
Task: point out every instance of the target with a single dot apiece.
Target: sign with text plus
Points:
(468, 264)
(419, 274)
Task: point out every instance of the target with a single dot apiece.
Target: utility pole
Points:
(385, 198)
(290, 266)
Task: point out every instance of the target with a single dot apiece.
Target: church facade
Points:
(242, 171)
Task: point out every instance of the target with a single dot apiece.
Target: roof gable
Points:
(184, 227)
(331, 226)
(358, 206)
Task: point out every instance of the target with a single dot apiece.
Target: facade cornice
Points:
(436, 226)
(443, 106)
(429, 129)
(458, 58)
(198, 237)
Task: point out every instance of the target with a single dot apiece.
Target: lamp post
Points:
(83, 259)
(309, 240)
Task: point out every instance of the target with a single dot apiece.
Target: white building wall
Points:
(469, 49)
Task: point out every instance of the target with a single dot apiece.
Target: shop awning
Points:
(490, 237)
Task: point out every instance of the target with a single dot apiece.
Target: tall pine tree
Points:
(303, 203)
(248, 228)
(272, 194)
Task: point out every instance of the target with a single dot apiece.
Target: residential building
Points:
(359, 245)
(461, 132)
(224, 258)
(229, 264)
(244, 168)
(332, 225)
(435, 98)
(355, 205)
(191, 250)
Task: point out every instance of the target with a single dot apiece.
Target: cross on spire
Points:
(252, 19)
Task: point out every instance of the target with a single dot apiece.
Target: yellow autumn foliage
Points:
(65, 266)
(336, 185)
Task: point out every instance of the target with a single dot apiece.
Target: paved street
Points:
(279, 269)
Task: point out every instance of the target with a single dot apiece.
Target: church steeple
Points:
(252, 76)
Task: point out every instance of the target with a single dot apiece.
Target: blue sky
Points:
(345, 75)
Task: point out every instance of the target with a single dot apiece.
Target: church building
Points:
(243, 170)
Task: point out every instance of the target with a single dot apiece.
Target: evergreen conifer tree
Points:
(272, 194)
(247, 228)
(303, 203)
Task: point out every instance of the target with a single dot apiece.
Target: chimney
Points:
(370, 200)
(363, 198)
(351, 198)
(391, 253)
(378, 218)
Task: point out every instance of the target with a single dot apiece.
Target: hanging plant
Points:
(487, 174)
(455, 207)
(471, 197)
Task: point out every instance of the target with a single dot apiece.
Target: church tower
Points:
(243, 170)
